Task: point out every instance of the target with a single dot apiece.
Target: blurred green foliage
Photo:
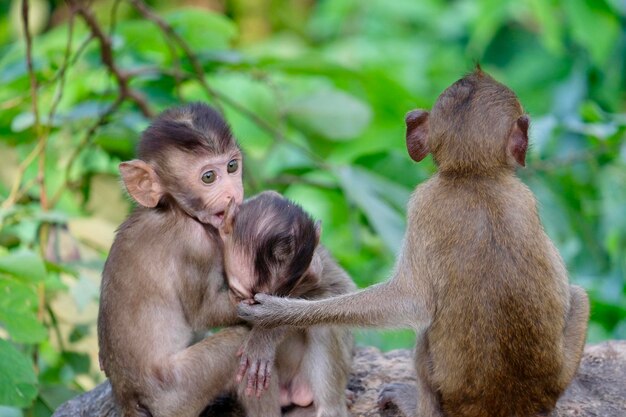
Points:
(316, 92)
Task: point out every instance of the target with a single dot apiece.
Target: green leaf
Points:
(22, 121)
(56, 395)
(10, 71)
(25, 265)
(18, 312)
(143, 38)
(18, 383)
(78, 361)
(549, 22)
(593, 27)
(23, 328)
(79, 333)
(86, 110)
(334, 114)
(84, 292)
(282, 157)
(202, 29)
(372, 194)
(10, 412)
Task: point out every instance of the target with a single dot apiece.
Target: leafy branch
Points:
(106, 54)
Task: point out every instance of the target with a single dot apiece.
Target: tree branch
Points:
(38, 150)
(106, 54)
(149, 14)
(85, 141)
(166, 28)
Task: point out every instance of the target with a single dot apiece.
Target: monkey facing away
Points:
(500, 330)
(271, 245)
(163, 279)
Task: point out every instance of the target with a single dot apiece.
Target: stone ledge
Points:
(599, 388)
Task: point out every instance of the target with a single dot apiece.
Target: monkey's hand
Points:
(266, 312)
(257, 359)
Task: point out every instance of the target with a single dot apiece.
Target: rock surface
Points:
(599, 389)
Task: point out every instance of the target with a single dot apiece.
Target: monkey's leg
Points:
(326, 365)
(184, 383)
(574, 334)
(414, 400)
(267, 405)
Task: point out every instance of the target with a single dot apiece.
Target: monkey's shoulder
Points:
(153, 227)
(149, 247)
(468, 192)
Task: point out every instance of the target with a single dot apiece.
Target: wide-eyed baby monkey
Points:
(271, 245)
(163, 280)
(500, 330)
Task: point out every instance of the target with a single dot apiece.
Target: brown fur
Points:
(271, 245)
(163, 280)
(500, 330)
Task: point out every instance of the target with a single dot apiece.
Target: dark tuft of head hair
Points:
(279, 235)
(189, 128)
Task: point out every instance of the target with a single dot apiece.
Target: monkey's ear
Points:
(142, 182)
(518, 140)
(417, 134)
(229, 218)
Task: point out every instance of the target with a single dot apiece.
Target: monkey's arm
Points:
(220, 311)
(382, 305)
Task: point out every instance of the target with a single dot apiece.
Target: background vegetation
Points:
(316, 92)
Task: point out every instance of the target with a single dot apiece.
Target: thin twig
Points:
(116, 5)
(18, 192)
(85, 141)
(81, 49)
(149, 14)
(29, 61)
(61, 74)
(106, 54)
(24, 189)
(55, 325)
(41, 136)
(13, 102)
(41, 142)
(166, 28)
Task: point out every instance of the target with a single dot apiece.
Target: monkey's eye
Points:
(232, 166)
(209, 177)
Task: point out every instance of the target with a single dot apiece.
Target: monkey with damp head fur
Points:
(500, 331)
(163, 281)
(271, 245)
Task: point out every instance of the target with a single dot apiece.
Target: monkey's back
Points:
(496, 337)
(141, 282)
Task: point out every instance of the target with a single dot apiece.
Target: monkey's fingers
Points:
(245, 311)
(243, 366)
(260, 298)
(253, 378)
(268, 375)
(264, 374)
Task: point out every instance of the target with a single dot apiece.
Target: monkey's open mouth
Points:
(220, 215)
